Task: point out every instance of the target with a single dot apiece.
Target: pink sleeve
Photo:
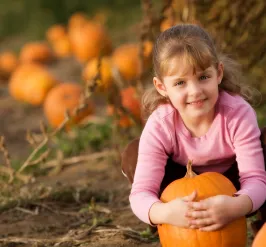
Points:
(154, 148)
(245, 135)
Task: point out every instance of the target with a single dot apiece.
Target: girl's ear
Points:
(220, 72)
(160, 87)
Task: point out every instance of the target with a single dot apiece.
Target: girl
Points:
(199, 111)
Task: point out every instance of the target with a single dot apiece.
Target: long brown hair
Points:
(194, 44)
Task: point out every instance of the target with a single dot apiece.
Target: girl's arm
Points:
(245, 135)
(154, 148)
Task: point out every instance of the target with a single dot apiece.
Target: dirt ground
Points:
(94, 210)
(77, 220)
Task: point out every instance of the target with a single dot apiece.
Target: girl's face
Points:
(193, 93)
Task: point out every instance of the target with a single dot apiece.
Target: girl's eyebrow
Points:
(183, 77)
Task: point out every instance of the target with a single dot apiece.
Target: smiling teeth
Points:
(196, 102)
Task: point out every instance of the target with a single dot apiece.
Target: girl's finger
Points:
(199, 223)
(198, 214)
(201, 205)
(210, 228)
(190, 197)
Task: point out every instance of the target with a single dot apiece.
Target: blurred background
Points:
(71, 78)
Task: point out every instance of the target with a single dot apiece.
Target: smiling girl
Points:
(198, 110)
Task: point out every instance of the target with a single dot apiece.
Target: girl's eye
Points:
(203, 77)
(179, 83)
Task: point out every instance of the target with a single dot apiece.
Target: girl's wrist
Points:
(158, 213)
(243, 204)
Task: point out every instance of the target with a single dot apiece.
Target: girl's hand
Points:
(176, 210)
(213, 213)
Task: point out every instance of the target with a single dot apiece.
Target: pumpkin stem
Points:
(190, 173)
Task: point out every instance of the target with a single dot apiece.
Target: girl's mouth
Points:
(197, 102)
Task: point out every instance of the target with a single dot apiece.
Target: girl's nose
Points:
(194, 88)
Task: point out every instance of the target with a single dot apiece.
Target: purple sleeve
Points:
(154, 147)
(245, 135)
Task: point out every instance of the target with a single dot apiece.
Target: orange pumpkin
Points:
(36, 52)
(123, 120)
(260, 238)
(62, 47)
(89, 41)
(65, 96)
(91, 69)
(8, 63)
(131, 102)
(207, 184)
(166, 23)
(126, 59)
(78, 19)
(55, 32)
(30, 83)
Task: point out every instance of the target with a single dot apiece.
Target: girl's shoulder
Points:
(236, 110)
(163, 111)
(164, 117)
(232, 102)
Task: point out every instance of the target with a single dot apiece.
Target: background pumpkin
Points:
(260, 238)
(8, 63)
(90, 71)
(65, 96)
(207, 184)
(30, 83)
(38, 52)
(89, 41)
(126, 59)
(62, 47)
(131, 102)
(78, 19)
(55, 33)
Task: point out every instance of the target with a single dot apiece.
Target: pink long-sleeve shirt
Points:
(233, 135)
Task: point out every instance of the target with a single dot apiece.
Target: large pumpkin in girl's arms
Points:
(260, 238)
(30, 83)
(207, 184)
(65, 97)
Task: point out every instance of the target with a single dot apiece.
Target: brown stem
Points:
(190, 173)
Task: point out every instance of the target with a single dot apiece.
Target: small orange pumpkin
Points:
(131, 102)
(207, 184)
(38, 52)
(89, 41)
(62, 47)
(260, 238)
(166, 23)
(30, 83)
(8, 63)
(90, 71)
(65, 97)
(56, 32)
(126, 59)
(77, 19)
